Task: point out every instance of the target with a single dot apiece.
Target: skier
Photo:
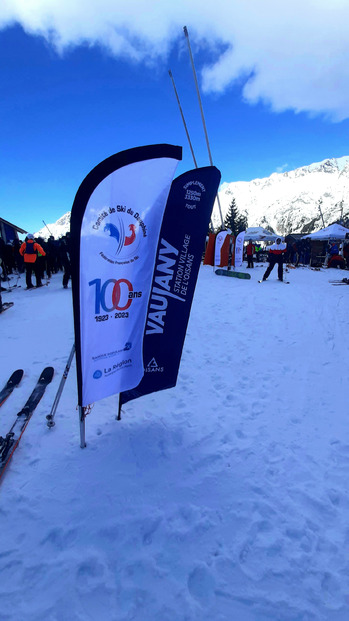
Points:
(249, 253)
(276, 252)
(29, 250)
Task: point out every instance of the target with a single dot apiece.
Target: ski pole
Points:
(50, 417)
(47, 227)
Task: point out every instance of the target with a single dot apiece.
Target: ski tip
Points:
(47, 375)
(16, 377)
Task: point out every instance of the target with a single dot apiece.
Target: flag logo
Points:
(153, 367)
(122, 236)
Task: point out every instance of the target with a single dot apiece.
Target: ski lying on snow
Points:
(343, 281)
(9, 443)
(6, 306)
(286, 282)
(243, 275)
(11, 383)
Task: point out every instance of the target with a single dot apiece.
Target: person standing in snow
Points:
(249, 253)
(29, 251)
(65, 253)
(276, 252)
(258, 249)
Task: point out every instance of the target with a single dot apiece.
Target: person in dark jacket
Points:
(41, 259)
(65, 255)
(249, 253)
(276, 252)
(29, 251)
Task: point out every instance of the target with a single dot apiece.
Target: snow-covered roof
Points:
(258, 233)
(334, 231)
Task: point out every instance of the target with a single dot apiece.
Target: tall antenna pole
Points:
(202, 112)
(183, 119)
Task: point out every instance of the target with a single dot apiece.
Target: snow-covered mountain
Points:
(57, 229)
(286, 202)
(289, 202)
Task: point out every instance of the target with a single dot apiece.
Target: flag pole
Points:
(185, 125)
(82, 426)
(119, 409)
(183, 119)
(202, 112)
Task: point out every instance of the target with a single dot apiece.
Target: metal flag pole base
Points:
(119, 410)
(82, 426)
(51, 415)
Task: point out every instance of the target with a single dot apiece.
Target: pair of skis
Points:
(9, 443)
(286, 282)
(343, 281)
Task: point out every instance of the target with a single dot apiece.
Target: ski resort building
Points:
(9, 232)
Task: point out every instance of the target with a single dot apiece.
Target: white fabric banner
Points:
(239, 249)
(119, 235)
(220, 238)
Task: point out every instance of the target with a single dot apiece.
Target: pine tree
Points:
(234, 220)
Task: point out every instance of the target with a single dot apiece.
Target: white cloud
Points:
(291, 56)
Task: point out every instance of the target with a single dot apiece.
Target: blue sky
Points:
(65, 104)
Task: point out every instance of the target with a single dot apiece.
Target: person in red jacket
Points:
(276, 252)
(250, 249)
(29, 251)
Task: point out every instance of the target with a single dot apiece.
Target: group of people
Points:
(296, 253)
(36, 257)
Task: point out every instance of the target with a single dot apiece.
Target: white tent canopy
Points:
(332, 232)
(258, 233)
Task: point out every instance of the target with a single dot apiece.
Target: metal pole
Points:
(183, 119)
(185, 125)
(50, 417)
(202, 113)
(47, 227)
(82, 426)
(119, 410)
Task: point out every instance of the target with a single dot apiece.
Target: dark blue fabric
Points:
(181, 244)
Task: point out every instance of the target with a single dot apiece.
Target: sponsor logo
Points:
(111, 354)
(121, 232)
(117, 367)
(107, 371)
(153, 367)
